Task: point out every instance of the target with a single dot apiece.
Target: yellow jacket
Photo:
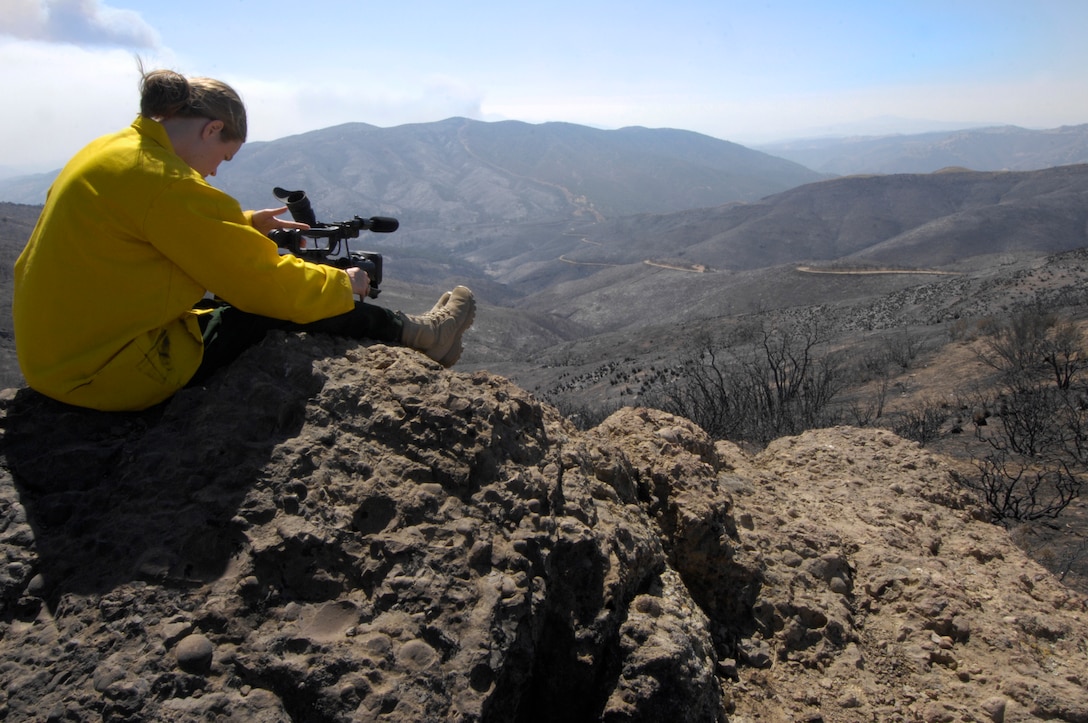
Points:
(129, 240)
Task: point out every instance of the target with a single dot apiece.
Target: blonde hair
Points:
(166, 94)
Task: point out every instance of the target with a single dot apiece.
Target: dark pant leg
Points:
(229, 331)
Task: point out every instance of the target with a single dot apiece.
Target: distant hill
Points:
(16, 223)
(998, 148)
(912, 221)
(459, 171)
(577, 277)
(29, 189)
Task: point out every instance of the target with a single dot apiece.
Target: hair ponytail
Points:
(163, 93)
(166, 94)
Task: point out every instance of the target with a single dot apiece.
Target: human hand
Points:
(360, 281)
(265, 221)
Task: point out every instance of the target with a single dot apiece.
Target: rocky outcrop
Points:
(335, 532)
(885, 598)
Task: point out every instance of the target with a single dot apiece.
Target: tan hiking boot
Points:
(440, 304)
(454, 353)
(438, 332)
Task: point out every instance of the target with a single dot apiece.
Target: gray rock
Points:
(369, 535)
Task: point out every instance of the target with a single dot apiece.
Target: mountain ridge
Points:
(597, 274)
(987, 148)
(506, 171)
(565, 279)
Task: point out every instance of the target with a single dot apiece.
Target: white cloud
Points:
(68, 95)
(282, 108)
(85, 22)
(60, 98)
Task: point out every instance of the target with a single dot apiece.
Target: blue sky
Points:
(740, 70)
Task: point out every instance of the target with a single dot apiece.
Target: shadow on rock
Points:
(153, 495)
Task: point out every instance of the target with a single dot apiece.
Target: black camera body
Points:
(327, 243)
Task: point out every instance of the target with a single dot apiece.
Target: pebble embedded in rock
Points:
(995, 709)
(194, 653)
(36, 586)
(417, 655)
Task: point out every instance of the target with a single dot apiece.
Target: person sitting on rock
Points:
(132, 238)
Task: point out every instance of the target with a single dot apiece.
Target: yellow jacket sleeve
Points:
(204, 233)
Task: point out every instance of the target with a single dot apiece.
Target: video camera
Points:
(328, 237)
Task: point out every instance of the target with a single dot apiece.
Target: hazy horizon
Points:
(750, 74)
(876, 127)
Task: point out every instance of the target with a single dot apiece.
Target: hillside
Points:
(459, 172)
(16, 223)
(545, 284)
(1000, 148)
(894, 220)
(456, 173)
(854, 310)
(652, 270)
(371, 537)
